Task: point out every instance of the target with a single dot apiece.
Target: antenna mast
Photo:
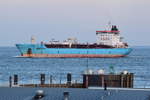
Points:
(109, 25)
(32, 40)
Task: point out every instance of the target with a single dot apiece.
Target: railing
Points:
(47, 80)
(59, 80)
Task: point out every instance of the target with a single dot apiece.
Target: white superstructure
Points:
(111, 38)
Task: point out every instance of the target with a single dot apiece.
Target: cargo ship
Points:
(109, 44)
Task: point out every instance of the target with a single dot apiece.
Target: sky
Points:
(60, 19)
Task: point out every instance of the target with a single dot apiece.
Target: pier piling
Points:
(69, 78)
(15, 79)
(51, 79)
(42, 79)
(10, 81)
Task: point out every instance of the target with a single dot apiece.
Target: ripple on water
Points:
(29, 69)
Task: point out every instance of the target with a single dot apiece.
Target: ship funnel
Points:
(32, 40)
(114, 28)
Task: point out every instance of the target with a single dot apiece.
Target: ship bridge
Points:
(110, 37)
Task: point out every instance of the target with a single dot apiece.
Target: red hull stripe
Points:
(70, 56)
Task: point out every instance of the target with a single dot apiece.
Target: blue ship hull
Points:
(39, 50)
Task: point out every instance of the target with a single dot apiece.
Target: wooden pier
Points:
(122, 80)
(76, 85)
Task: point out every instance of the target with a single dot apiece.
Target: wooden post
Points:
(122, 80)
(51, 79)
(10, 81)
(42, 79)
(103, 80)
(87, 81)
(15, 79)
(69, 78)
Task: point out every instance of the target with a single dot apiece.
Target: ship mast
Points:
(32, 40)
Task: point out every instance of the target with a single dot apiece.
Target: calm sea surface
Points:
(29, 69)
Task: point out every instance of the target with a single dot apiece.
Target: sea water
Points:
(29, 69)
